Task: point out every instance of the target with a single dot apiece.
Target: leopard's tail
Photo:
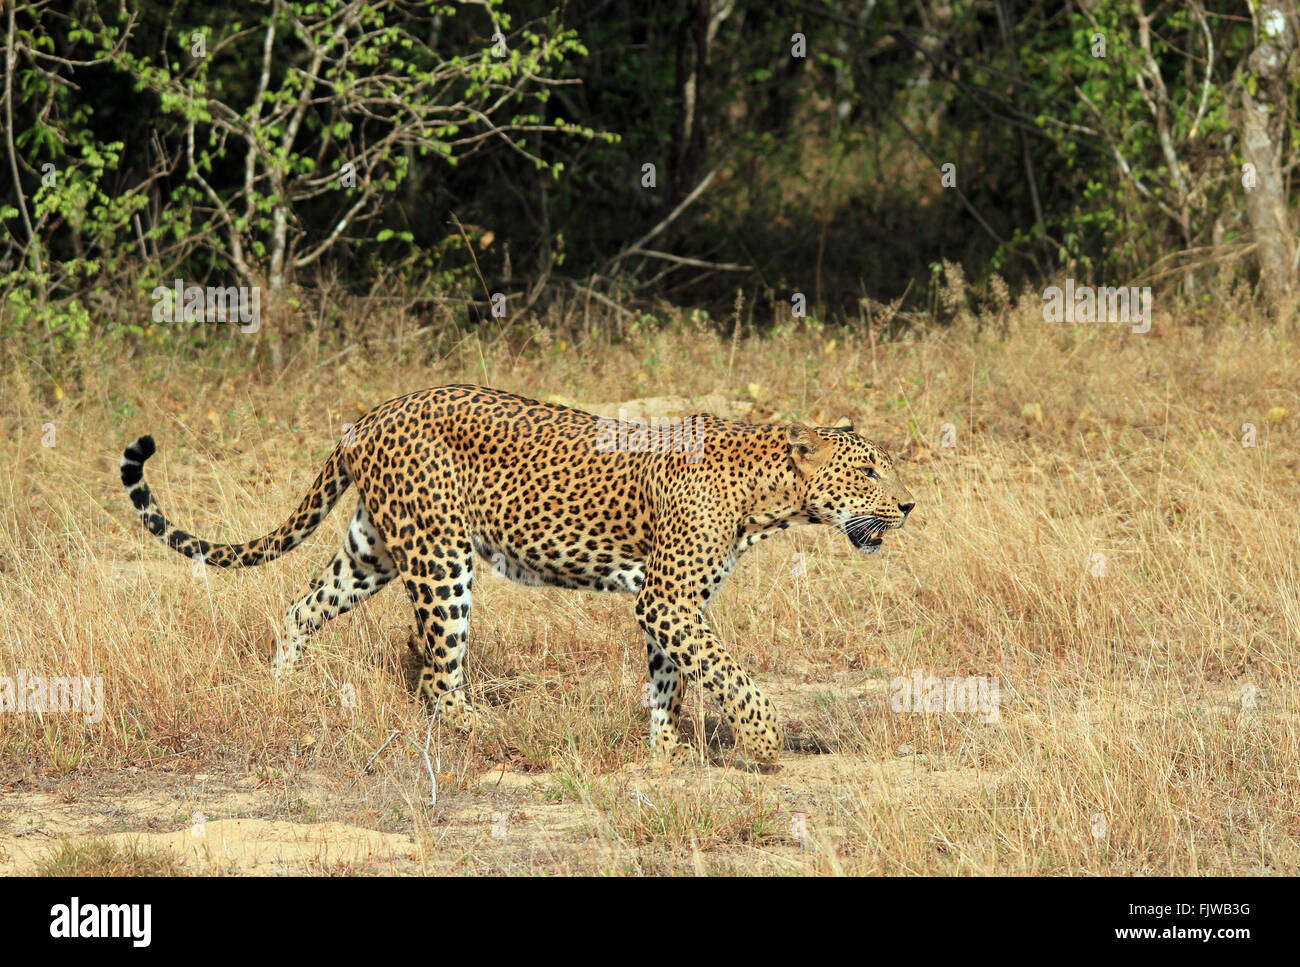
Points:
(318, 502)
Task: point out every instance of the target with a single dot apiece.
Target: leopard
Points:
(454, 476)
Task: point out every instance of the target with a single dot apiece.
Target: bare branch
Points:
(11, 60)
(250, 160)
(672, 217)
(697, 263)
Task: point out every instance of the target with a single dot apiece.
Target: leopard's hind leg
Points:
(434, 556)
(360, 568)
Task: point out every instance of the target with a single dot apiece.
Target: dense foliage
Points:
(678, 150)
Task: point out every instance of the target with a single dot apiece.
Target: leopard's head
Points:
(849, 482)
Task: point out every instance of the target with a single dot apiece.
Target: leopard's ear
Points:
(807, 448)
(843, 423)
(803, 441)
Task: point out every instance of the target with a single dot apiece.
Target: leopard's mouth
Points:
(867, 537)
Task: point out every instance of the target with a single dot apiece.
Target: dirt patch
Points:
(500, 821)
(253, 847)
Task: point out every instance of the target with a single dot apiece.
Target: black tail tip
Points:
(141, 450)
(132, 465)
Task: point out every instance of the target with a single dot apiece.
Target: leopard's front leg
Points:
(665, 702)
(686, 641)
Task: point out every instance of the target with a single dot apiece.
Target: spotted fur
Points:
(543, 494)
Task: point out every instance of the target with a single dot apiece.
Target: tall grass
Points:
(1091, 529)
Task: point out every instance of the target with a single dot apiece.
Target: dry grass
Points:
(97, 857)
(1148, 717)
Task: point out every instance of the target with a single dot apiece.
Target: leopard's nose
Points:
(907, 507)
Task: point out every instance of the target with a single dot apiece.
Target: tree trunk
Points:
(1264, 137)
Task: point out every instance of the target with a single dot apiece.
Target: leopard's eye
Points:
(871, 472)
